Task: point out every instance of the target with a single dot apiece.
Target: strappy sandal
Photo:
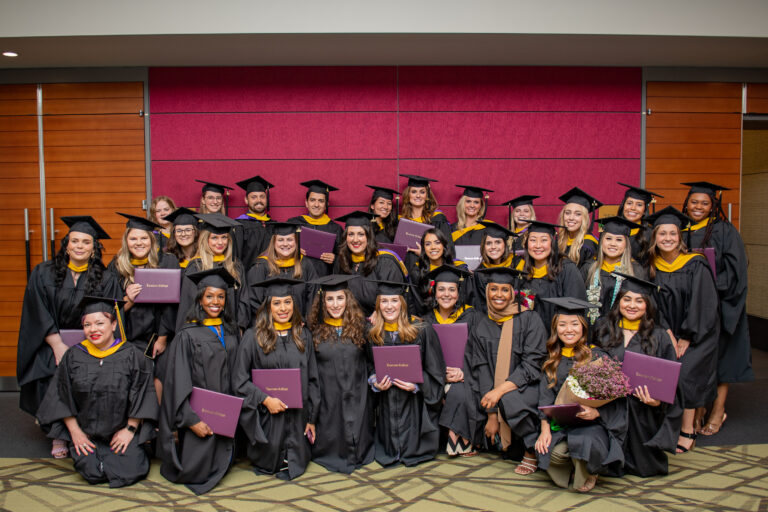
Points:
(712, 428)
(59, 449)
(683, 449)
(589, 484)
(527, 466)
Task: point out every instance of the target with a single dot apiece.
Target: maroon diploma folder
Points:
(400, 250)
(217, 410)
(660, 375)
(469, 254)
(282, 383)
(316, 242)
(399, 362)
(709, 253)
(564, 414)
(158, 285)
(71, 337)
(453, 341)
(409, 233)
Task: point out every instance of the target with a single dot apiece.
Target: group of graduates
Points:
(545, 298)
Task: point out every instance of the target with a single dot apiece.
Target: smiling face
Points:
(573, 216)
(257, 202)
(494, 248)
(213, 301)
(99, 329)
(418, 196)
(500, 295)
(162, 209)
(285, 246)
(632, 306)
(522, 214)
(185, 234)
(357, 241)
(218, 243)
(472, 206)
(433, 248)
(139, 243)
(699, 206)
(382, 207)
(447, 295)
(213, 201)
(668, 238)
(316, 204)
(335, 303)
(634, 209)
(539, 247)
(569, 329)
(281, 309)
(613, 247)
(79, 247)
(389, 307)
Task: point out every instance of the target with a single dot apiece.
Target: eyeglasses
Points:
(214, 199)
(187, 231)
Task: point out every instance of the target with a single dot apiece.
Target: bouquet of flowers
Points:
(594, 384)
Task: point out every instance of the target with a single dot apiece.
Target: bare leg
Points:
(717, 414)
(687, 427)
(159, 390)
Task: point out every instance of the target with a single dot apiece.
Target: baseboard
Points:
(9, 384)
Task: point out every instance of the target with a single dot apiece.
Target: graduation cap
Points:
(390, 287)
(537, 226)
(216, 278)
(94, 304)
(520, 201)
(182, 217)
(578, 196)
(639, 193)
(415, 180)
(284, 228)
(85, 224)
(386, 193)
(495, 230)
(136, 222)
(319, 187)
(278, 286)
(704, 187)
(501, 275)
(213, 187)
(475, 192)
(669, 215)
(356, 218)
(617, 225)
(570, 305)
(448, 274)
(637, 285)
(255, 184)
(333, 282)
(216, 223)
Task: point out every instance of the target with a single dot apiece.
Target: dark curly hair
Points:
(420, 271)
(389, 222)
(353, 321)
(643, 236)
(93, 275)
(264, 331)
(609, 334)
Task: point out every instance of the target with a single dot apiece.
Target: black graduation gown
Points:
(599, 443)
(636, 244)
(588, 251)
(101, 394)
(321, 267)
(650, 430)
(344, 422)
(162, 240)
(688, 305)
(734, 350)
(196, 359)
(608, 293)
(517, 242)
(46, 310)
(461, 411)
(470, 237)
(304, 293)
(529, 339)
(418, 292)
(479, 281)
(251, 239)
(407, 428)
(273, 438)
(380, 235)
(237, 296)
(387, 269)
(567, 283)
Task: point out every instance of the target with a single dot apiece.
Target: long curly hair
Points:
(609, 333)
(422, 268)
(95, 270)
(430, 205)
(408, 331)
(353, 327)
(371, 253)
(716, 213)
(389, 222)
(581, 351)
(265, 333)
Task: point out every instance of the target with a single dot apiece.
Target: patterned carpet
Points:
(715, 478)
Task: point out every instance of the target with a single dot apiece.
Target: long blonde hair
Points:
(653, 253)
(407, 330)
(272, 257)
(513, 223)
(625, 263)
(572, 252)
(205, 254)
(123, 258)
(430, 205)
(461, 217)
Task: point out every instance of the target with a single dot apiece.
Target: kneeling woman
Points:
(276, 434)
(583, 451)
(101, 392)
(345, 418)
(652, 426)
(201, 355)
(407, 413)
(509, 349)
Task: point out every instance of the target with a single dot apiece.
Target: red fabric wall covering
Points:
(515, 130)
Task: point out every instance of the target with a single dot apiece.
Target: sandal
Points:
(589, 484)
(59, 449)
(683, 449)
(527, 466)
(712, 428)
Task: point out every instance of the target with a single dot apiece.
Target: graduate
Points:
(508, 345)
(279, 439)
(317, 201)
(102, 401)
(470, 210)
(201, 355)
(344, 424)
(360, 255)
(382, 206)
(575, 241)
(215, 249)
(495, 253)
(420, 204)
(520, 215)
(578, 452)
(460, 414)
(435, 252)
(407, 414)
(282, 258)
(213, 197)
(52, 299)
(183, 242)
(253, 237)
(711, 228)
(546, 273)
(614, 253)
(688, 305)
(652, 426)
(634, 207)
(159, 209)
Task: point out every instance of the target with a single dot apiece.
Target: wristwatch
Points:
(131, 429)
